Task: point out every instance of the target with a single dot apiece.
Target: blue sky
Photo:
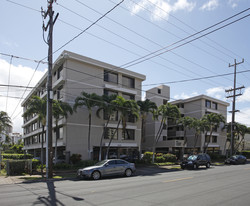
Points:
(132, 30)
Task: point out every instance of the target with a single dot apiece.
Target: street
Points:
(219, 185)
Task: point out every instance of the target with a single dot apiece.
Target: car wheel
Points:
(128, 172)
(207, 165)
(195, 166)
(96, 175)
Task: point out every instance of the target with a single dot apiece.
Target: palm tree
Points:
(37, 106)
(127, 109)
(89, 101)
(108, 109)
(211, 122)
(166, 111)
(60, 110)
(146, 107)
(186, 123)
(241, 130)
(5, 121)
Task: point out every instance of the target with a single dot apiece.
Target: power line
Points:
(8, 84)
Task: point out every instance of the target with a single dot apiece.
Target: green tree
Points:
(241, 130)
(60, 110)
(211, 122)
(5, 122)
(186, 123)
(108, 109)
(166, 112)
(128, 109)
(37, 106)
(146, 107)
(89, 101)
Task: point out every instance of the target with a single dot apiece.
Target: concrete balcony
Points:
(171, 143)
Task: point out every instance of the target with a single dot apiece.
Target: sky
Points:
(185, 44)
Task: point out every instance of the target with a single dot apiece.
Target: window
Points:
(110, 132)
(59, 92)
(164, 138)
(165, 101)
(128, 96)
(110, 77)
(129, 134)
(208, 104)
(34, 139)
(109, 92)
(59, 71)
(128, 82)
(159, 91)
(214, 105)
(214, 139)
(207, 139)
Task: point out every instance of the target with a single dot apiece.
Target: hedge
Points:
(159, 157)
(17, 156)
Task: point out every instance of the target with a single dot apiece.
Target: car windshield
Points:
(192, 157)
(101, 163)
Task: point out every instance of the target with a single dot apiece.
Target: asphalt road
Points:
(219, 185)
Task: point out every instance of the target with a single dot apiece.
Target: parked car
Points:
(195, 161)
(236, 159)
(110, 167)
(60, 159)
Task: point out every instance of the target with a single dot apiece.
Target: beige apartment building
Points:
(72, 74)
(172, 138)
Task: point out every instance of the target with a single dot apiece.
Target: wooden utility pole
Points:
(49, 148)
(232, 94)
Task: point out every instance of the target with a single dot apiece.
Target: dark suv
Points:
(194, 161)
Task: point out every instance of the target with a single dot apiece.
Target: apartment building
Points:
(172, 137)
(197, 107)
(72, 74)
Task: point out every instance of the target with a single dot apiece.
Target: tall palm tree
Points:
(60, 110)
(89, 101)
(5, 121)
(165, 111)
(211, 122)
(241, 131)
(109, 109)
(186, 123)
(146, 107)
(127, 109)
(37, 106)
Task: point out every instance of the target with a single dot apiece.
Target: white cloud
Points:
(19, 75)
(185, 96)
(233, 3)
(245, 97)
(210, 5)
(216, 92)
(161, 8)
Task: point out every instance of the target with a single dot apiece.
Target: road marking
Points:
(175, 180)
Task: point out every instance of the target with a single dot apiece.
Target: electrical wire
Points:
(6, 107)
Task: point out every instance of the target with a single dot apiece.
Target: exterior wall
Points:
(72, 74)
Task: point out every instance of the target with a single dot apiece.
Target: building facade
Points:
(172, 137)
(72, 74)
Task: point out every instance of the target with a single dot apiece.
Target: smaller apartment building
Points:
(172, 137)
(197, 107)
(72, 74)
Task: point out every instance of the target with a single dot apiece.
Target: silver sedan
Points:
(110, 167)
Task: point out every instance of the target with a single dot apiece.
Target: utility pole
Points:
(232, 94)
(49, 148)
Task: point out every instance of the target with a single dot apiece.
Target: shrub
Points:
(75, 158)
(170, 157)
(160, 159)
(62, 166)
(214, 156)
(17, 156)
(147, 157)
